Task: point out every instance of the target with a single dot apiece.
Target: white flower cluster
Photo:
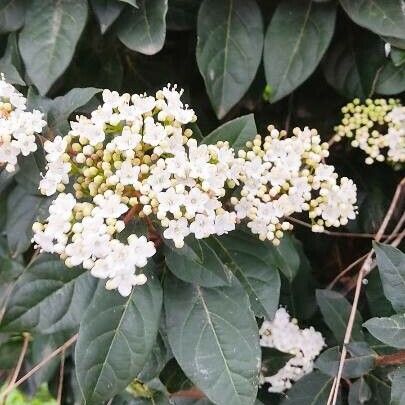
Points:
(134, 158)
(284, 175)
(377, 127)
(17, 126)
(284, 335)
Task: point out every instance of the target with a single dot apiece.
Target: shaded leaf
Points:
(143, 29)
(11, 15)
(106, 11)
(377, 302)
(391, 79)
(237, 132)
(359, 392)
(398, 383)
(397, 56)
(297, 37)
(273, 360)
(48, 297)
(174, 378)
(116, 336)
(229, 49)
(380, 390)
(49, 37)
(214, 337)
(182, 14)
(389, 330)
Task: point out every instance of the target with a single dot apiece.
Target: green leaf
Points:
(62, 107)
(313, 389)
(106, 11)
(191, 401)
(182, 14)
(11, 73)
(133, 3)
(335, 310)
(10, 63)
(214, 337)
(298, 35)
(352, 64)
(273, 360)
(143, 29)
(56, 28)
(377, 302)
(10, 268)
(23, 209)
(384, 17)
(397, 56)
(229, 49)
(48, 297)
(388, 330)
(398, 383)
(11, 15)
(391, 265)
(173, 377)
(359, 392)
(355, 366)
(381, 391)
(197, 262)
(30, 169)
(259, 277)
(237, 132)
(116, 336)
(391, 79)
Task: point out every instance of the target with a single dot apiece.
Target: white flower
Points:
(128, 174)
(153, 133)
(177, 231)
(109, 205)
(128, 140)
(55, 148)
(124, 280)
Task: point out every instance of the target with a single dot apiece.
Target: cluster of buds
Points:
(284, 335)
(284, 175)
(135, 159)
(377, 127)
(17, 126)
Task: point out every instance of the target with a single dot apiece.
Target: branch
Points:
(395, 359)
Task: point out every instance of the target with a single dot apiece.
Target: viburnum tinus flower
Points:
(284, 335)
(377, 127)
(17, 126)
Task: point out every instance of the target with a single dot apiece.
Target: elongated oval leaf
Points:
(106, 11)
(237, 132)
(313, 389)
(298, 36)
(229, 48)
(384, 17)
(214, 337)
(11, 15)
(259, 277)
(335, 310)
(48, 298)
(391, 265)
(49, 37)
(197, 262)
(143, 29)
(390, 331)
(116, 336)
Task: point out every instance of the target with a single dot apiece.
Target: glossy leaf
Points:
(229, 49)
(214, 337)
(391, 265)
(237, 132)
(143, 29)
(335, 310)
(297, 37)
(390, 331)
(49, 37)
(116, 336)
(48, 297)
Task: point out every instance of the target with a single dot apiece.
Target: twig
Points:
(61, 373)
(345, 271)
(395, 359)
(60, 349)
(365, 268)
(193, 393)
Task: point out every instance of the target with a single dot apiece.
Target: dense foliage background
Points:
(290, 63)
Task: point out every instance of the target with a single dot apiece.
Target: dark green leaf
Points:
(313, 389)
(197, 262)
(116, 336)
(191, 401)
(237, 132)
(23, 209)
(48, 297)
(391, 79)
(143, 29)
(335, 310)
(11, 15)
(398, 384)
(229, 48)
(260, 278)
(49, 37)
(297, 37)
(384, 17)
(11, 73)
(273, 360)
(107, 11)
(377, 302)
(174, 378)
(397, 56)
(9, 353)
(391, 265)
(359, 392)
(30, 169)
(214, 337)
(10, 268)
(380, 390)
(389, 330)
(355, 366)
(353, 63)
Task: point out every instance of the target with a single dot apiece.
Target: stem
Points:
(60, 349)
(395, 359)
(61, 374)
